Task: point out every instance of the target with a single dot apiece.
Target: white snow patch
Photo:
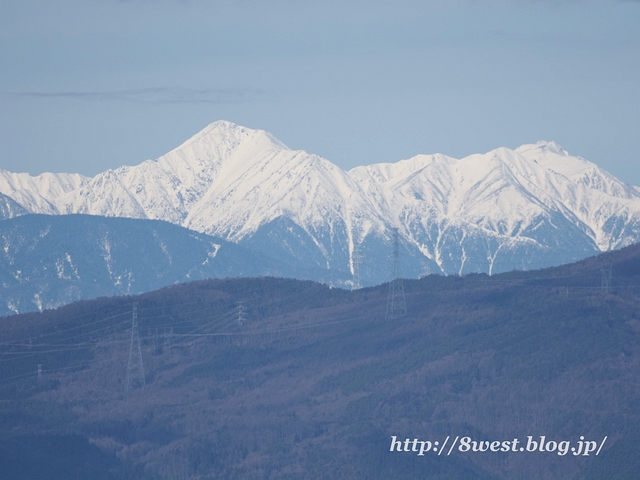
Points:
(210, 255)
(37, 301)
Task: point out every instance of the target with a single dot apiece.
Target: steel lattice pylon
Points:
(135, 369)
(605, 282)
(241, 313)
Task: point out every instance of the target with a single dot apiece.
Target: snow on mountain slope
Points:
(306, 188)
(9, 208)
(229, 181)
(169, 187)
(39, 194)
(596, 198)
(525, 208)
(503, 202)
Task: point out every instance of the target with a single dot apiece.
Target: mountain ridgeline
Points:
(272, 378)
(527, 208)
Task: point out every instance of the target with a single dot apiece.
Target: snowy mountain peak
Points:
(207, 142)
(489, 212)
(552, 147)
(553, 157)
(542, 147)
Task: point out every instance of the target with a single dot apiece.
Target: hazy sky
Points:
(87, 85)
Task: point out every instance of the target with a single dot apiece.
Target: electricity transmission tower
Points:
(355, 285)
(153, 341)
(396, 304)
(426, 271)
(605, 283)
(241, 313)
(135, 369)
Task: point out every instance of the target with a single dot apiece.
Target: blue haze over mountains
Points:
(243, 204)
(48, 261)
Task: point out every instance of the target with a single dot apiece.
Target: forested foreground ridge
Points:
(267, 378)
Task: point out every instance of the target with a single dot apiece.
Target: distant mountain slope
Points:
(9, 208)
(48, 261)
(507, 209)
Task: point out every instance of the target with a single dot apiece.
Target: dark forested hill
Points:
(271, 378)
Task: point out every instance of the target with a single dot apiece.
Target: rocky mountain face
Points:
(528, 208)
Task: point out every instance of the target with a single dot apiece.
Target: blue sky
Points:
(88, 85)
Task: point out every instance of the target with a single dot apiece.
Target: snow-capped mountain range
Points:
(506, 209)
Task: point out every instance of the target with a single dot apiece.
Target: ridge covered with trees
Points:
(275, 378)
